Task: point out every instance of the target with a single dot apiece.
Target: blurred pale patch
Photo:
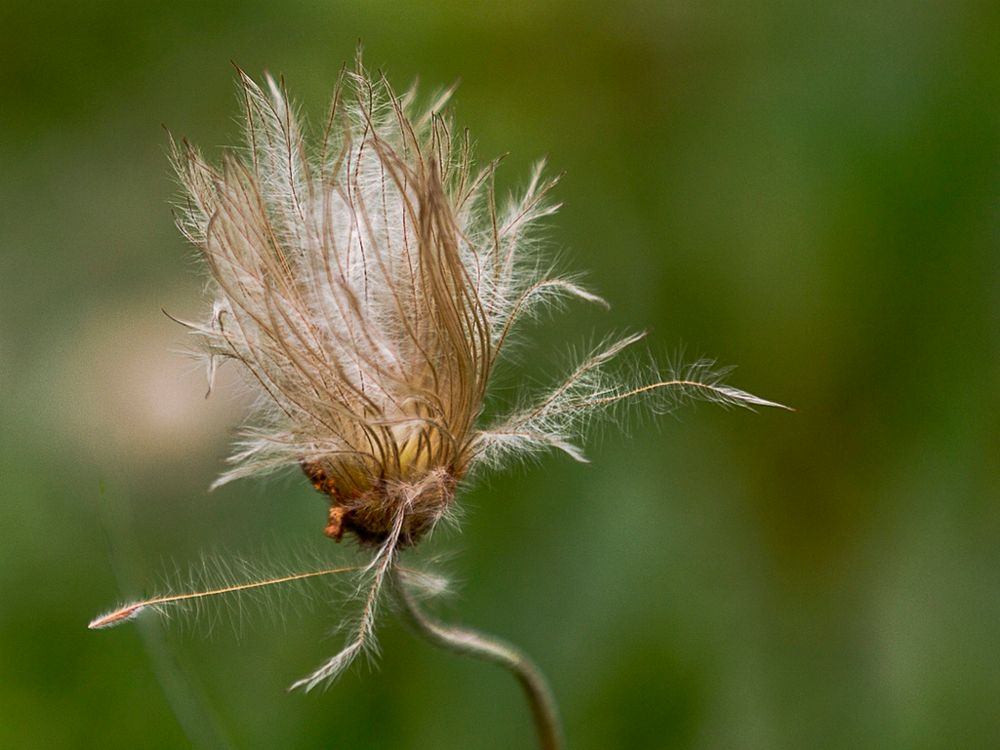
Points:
(129, 394)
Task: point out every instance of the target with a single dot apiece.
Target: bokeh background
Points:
(807, 190)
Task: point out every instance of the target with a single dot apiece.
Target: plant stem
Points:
(472, 643)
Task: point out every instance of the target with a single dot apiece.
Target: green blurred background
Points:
(807, 190)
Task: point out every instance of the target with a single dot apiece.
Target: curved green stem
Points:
(472, 643)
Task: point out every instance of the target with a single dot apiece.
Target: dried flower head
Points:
(367, 283)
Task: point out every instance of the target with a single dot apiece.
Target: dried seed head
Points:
(353, 288)
(367, 283)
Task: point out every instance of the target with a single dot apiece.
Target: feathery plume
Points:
(367, 283)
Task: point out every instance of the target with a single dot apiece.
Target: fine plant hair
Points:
(220, 588)
(367, 282)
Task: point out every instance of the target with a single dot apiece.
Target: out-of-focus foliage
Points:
(808, 190)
